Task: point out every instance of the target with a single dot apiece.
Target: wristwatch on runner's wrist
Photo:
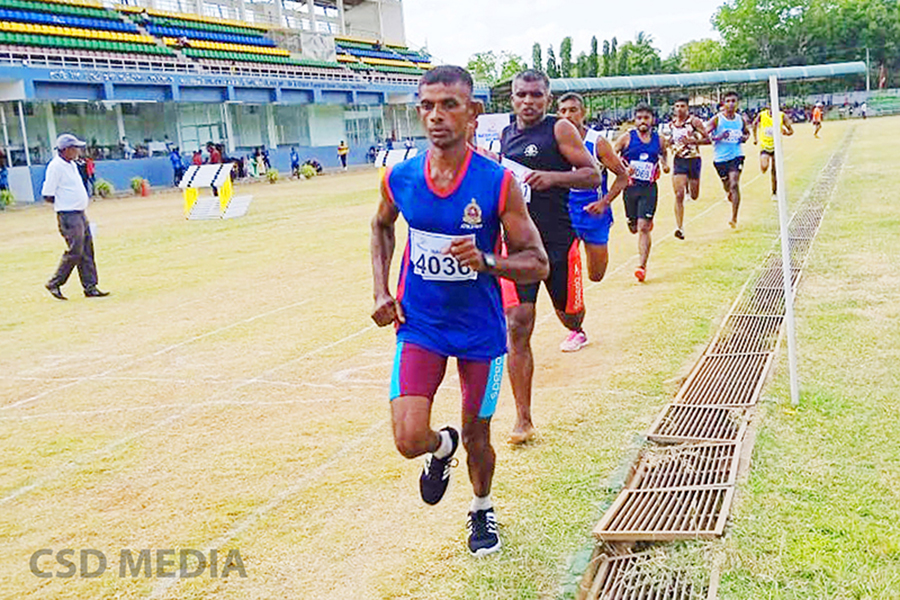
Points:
(490, 261)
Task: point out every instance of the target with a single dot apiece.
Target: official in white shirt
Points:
(65, 189)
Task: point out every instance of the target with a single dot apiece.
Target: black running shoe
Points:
(483, 538)
(436, 474)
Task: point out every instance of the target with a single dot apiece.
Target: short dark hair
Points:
(730, 93)
(571, 96)
(530, 75)
(643, 107)
(684, 99)
(447, 75)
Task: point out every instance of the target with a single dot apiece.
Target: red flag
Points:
(882, 77)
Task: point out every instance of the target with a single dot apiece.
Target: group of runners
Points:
(481, 240)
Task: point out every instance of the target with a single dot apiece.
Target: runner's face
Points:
(446, 112)
(681, 110)
(730, 104)
(643, 121)
(530, 100)
(572, 111)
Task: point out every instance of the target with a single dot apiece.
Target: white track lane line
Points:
(160, 352)
(115, 445)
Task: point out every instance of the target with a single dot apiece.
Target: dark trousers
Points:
(343, 160)
(79, 254)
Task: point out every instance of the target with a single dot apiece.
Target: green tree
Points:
(536, 60)
(606, 59)
(565, 57)
(552, 68)
(582, 66)
(593, 59)
(613, 57)
(483, 67)
(700, 55)
(510, 66)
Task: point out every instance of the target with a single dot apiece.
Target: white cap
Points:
(67, 140)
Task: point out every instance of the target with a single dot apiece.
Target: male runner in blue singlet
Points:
(448, 297)
(554, 152)
(728, 130)
(644, 150)
(590, 210)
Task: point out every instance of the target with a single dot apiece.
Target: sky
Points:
(456, 29)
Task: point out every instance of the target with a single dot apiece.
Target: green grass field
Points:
(232, 394)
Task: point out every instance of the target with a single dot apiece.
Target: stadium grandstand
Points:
(136, 78)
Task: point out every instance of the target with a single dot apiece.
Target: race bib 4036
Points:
(430, 262)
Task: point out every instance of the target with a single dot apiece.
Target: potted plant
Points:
(272, 175)
(104, 188)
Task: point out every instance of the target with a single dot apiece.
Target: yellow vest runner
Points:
(767, 133)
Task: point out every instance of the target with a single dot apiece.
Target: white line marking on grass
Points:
(112, 446)
(157, 407)
(160, 352)
(250, 520)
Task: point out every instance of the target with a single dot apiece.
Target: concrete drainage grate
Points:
(686, 465)
(726, 380)
(644, 576)
(685, 491)
(680, 423)
(667, 515)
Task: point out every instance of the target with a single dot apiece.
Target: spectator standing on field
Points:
(343, 151)
(295, 163)
(177, 165)
(64, 188)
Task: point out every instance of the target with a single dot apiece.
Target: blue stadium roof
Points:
(706, 78)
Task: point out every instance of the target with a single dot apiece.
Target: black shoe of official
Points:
(436, 475)
(55, 292)
(483, 538)
(94, 293)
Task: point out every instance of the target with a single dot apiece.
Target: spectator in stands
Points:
(295, 163)
(215, 156)
(64, 188)
(4, 172)
(177, 165)
(197, 158)
(343, 150)
(127, 150)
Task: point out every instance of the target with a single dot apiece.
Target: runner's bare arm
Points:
(387, 310)
(700, 129)
(527, 261)
(711, 127)
(746, 130)
(621, 144)
(755, 129)
(609, 159)
(585, 175)
(664, 154)
(787, 127)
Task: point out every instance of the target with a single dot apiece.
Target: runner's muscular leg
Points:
(597, 260)
(521, 362)
(694, 187)
(679, 182)
(413, 435)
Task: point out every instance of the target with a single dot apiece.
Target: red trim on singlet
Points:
(387, 185)
(504, 191)
(404, 267)
(456, 182)
(575, 297)
(508, 292)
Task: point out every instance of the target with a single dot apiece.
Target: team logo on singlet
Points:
(531, 150)
(644, 156)
(472, 216)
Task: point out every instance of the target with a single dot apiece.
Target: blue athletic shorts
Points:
(591, 229)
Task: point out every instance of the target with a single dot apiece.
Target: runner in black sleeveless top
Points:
(555, 152)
